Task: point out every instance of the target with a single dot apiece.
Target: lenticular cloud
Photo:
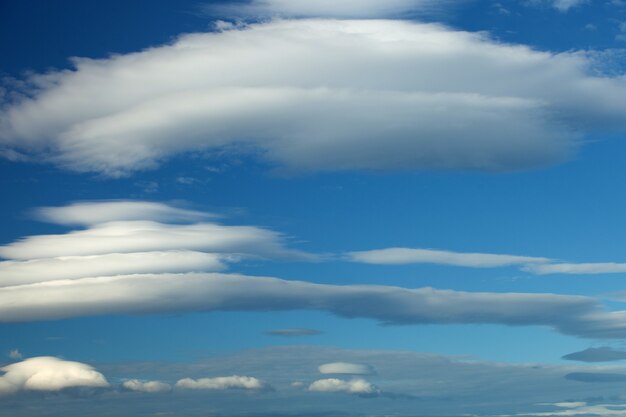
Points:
(317, 95)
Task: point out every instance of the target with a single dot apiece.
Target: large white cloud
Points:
(223, 382)
(157, 293)
(319, 95)
(49, 374)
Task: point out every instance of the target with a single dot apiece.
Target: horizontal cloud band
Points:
(162, 293)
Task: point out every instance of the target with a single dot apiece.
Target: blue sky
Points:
(216, 200)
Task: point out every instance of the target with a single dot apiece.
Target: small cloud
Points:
(297, 384)
(293, 332)
(15, 354)
(224, 383)
(600, 354)
(145, 386)
(591, 27)
(358, 387)
(345, 368)
(148, 187)
(187, 180)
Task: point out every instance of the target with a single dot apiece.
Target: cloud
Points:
(582, 408)
(158, 293)
(355, 386)
(560, 5)
(329, 8)
(600, 354)
(577, 268)
(294, 332)
(398, 256)
(596, 377)
(48, 374)
(345, 368)
(114, 237)
(146, 386)
(74, 267)
(223, 383)
(93, 212)
(353, 95)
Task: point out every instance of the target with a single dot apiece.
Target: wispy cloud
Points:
(223, 383)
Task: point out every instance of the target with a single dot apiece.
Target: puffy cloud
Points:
(395, 256)
(223, 382)
(329, 8)
(600, 354)
(345, 368)
(146, 386)
(157, 293)
(48, 374)
(355, 94)
(355, 386)
(293, 332)
(94, 212)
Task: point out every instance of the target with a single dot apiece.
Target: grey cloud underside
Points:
(163, 293)
(319, 95)
(600, 354)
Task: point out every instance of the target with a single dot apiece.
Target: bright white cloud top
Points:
(355, 94)
(49, 374)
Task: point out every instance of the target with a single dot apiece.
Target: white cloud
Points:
(157, 293)
(223, 382)
(132, 236)
(73, 267)
(345, 368)
(396, 256)
(48, 374)
(94, 212)
(330, 8)
(146, 386)
(319, 95)
(354, 386)
(577, 268)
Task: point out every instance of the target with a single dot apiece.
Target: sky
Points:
(312, 208)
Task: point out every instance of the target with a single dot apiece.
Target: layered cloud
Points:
(223, 383)
(345, 368)
(356, 386)
(49, 374)
(157, 293)
(293, 332)
(318, 95)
